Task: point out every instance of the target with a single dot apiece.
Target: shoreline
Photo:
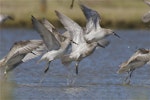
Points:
(117, 14)
(107, 24)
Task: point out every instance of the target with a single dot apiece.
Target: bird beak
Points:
(116, 35)
(100, 45)
(74, 42)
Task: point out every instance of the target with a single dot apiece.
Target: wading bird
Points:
(56, 43)
(94, 32)
(83, 49)
(20, 52)
(137, 60)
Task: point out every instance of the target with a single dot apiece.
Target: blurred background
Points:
(114, 13)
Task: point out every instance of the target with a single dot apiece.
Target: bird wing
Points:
(23, 48)
(35, 53)
(92, 17)
(47, 36)
(19, 50)
(76, 32)
(133, 57)
(48, 25)
(60, 38)
(140, 55)
(144, 57)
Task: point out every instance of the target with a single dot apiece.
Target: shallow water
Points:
(97, 79)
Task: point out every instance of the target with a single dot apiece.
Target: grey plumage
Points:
(19, 53)
(137, 60)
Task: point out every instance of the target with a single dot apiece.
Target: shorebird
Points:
(56, 43)
(94, 32)
(83, 49)
(137, 60)
(3, 18)
(146, 16)
(20, 52)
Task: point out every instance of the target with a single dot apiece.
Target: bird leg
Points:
(33, 53)
(131, 73)
(47, 67)
(5, 74)
(45, 72)
(71, 77)
(128, 77)
(77, 64)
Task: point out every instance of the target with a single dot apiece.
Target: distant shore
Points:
(117, 25)
(114, 13)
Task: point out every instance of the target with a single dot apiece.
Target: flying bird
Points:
(20, 52)
(94, 32)
(137, 60)
(83, 49)
(56, 43)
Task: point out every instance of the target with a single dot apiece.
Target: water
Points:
(97, 79)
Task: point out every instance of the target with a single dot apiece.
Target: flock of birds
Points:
(74, 44)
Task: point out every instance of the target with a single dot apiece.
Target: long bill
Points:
(116, 34)
(73, 42)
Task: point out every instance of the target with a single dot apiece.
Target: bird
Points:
(146, 16)
(21, 52)
(94, 32)
(137, 60)
(83, 49)
(3, 18)
(56, 43)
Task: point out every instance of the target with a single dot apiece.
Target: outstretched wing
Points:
(74, 29)
(47, 36)
(92, 16)
(19, 50)
(60, 38)
(35, 53)
(23, 47)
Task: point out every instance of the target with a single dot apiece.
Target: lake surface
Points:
(97, 79)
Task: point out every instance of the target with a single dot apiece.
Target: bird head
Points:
(111, 32)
